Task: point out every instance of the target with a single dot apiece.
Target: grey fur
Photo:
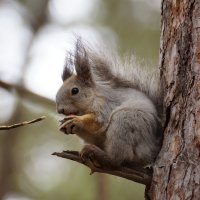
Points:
(125, 98)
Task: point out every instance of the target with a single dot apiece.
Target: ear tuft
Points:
(82, 64)
(68, 68)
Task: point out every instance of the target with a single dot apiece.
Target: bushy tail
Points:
(109, 70)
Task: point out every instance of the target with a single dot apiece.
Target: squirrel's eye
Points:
(75, 91)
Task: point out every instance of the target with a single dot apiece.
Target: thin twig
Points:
(22, 123)
(142, 176)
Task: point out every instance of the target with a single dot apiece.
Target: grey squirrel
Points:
(114, 107)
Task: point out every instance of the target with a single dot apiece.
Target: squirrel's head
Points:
(77, 92)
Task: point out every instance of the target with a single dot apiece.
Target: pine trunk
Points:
(177, 171)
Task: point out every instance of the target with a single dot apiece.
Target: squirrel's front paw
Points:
(70, 124)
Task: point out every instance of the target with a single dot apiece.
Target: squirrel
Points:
(114, 107)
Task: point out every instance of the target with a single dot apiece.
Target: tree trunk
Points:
(177, 171)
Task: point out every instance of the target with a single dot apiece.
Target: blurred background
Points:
(34, 38)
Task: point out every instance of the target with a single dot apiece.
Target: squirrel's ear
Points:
(68, 68)
(82, 64)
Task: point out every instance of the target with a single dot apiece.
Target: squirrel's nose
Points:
(60, 110)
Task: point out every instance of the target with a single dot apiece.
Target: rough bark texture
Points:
(177, 171)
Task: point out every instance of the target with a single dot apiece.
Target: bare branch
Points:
(142, 175)
(23, 92)
(22, 123)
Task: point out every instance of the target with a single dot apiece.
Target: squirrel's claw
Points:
(64, 124)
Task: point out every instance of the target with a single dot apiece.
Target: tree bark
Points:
(177, 170)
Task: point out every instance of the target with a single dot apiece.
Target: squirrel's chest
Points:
(96, 138)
